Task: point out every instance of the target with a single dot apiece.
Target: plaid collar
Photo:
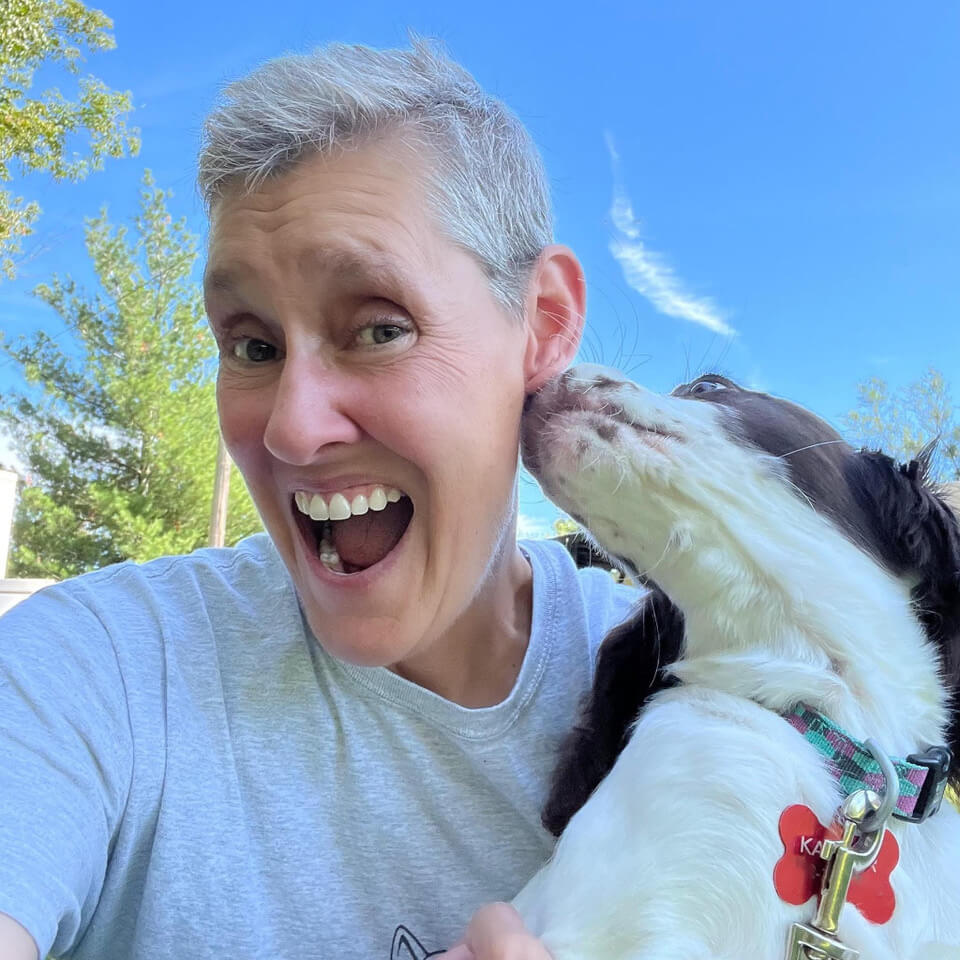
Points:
(923, 776)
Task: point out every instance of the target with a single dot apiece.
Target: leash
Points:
(852, 859)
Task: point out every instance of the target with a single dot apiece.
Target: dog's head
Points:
(718, 490)
(710, 466)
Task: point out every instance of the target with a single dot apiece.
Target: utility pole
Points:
(221, 495)
(8, 493)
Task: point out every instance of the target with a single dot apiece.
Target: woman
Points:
(334, 739)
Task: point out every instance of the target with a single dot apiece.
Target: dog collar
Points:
(923, 776)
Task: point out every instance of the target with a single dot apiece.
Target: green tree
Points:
(901, 422)
(564, 525)
(34, 131)
(118, 426)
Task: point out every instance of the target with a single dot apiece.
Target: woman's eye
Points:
(375, 334)
(706, 386)
(252, 350)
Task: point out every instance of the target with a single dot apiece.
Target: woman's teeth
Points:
(338, 507)
(328, 553)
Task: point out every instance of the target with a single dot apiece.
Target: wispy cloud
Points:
(646, 271)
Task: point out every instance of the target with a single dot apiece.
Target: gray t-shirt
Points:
(184, 772)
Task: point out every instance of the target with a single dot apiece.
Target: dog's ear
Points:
(925, 457)
(907, 526)
(630, 670)
(916, 535)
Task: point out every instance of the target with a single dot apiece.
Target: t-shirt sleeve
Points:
(65, 763)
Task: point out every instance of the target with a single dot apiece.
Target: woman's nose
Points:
(310, 411)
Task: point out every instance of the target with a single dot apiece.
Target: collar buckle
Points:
(937, 760)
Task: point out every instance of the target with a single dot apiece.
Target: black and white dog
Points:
(788, 568)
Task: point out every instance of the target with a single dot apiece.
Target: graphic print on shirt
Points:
(407, 947)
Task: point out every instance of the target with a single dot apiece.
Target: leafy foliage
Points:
(34, 131)
(119, 428)
(901, 422)
(564, 525)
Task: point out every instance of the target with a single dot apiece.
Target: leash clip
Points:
(864, 815)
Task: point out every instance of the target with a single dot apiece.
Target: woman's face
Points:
(360, 350)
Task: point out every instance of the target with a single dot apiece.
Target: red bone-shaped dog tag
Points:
(798, 873)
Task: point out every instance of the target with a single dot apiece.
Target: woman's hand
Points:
(496, 932)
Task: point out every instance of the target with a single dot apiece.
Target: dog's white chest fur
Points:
(673, 855)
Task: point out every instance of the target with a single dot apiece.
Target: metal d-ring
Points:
(891, 789)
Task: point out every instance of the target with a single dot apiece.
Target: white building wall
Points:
(11, 591)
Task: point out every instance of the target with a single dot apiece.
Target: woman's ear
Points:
(556, 302)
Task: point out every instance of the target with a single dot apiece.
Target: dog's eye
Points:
(706, 386)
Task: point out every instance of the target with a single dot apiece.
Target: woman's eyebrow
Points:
(220, 280)
(345, 266)
(372, 267)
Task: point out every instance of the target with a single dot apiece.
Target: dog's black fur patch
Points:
(629, 671)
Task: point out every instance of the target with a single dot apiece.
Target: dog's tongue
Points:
(365, 540)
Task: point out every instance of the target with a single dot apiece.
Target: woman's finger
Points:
(496, 932)
(460, 952)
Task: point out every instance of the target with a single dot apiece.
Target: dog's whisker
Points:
(622, 467)
(800, 493)
(593, 462)
(809, 446)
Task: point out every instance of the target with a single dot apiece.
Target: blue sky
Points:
(768, 189)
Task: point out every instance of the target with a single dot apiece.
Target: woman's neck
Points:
(477, 662)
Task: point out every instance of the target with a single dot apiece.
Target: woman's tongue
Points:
(365, 540)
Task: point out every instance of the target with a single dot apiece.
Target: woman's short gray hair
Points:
(486, 182)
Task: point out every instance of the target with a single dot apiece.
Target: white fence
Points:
(11, 591)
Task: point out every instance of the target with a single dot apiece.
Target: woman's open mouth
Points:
(352, 530)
